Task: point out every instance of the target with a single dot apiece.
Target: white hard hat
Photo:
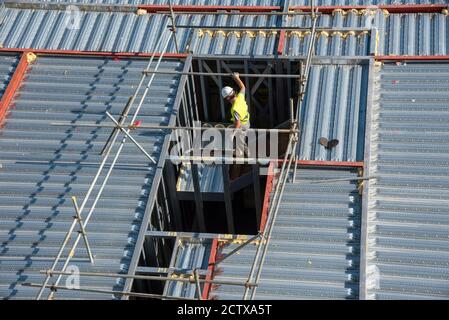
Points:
(226, 92)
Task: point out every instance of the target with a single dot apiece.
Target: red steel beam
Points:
(411, 58)
(409, 8)
(13, 85)
(94, 53)
(281, 42)
(210, 268)
(266, 199)
(192, 8)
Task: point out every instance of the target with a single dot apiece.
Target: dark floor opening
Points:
(267, 98)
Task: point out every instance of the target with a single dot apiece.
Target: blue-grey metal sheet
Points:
(8, 64)
(362, 2)
(128, 32)
(334, 107)
(329, 43)
(189, 254)
(174, 2)
(210, 178)
(408, 217)
(398, 34)
(42, 166)
(250, 2)
(315, 244)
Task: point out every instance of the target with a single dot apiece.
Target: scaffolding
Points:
(123, 126)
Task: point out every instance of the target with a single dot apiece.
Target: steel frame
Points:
(282, 35)
(210, 268)
(220, 9)
(96, 53)
(260, 70)
(266, 202)
(290, 155)
(207, 8)
(273, 10)
(228, 198)
(194, 274)
(184, 56)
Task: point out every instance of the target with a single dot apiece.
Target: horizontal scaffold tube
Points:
(156, 127)
(222, 74)
(142, 277)
(129, 294)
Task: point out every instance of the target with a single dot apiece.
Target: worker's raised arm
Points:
(237, 79)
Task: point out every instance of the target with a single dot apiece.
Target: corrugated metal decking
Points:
(314, 250)
(189, 254)
(175, 2)
(128, 32)
(210, 179)
(43, 165)
(408, 223)
(399, 34)
(334, 108)
(251, 2)
(362, 2)
(8, 64)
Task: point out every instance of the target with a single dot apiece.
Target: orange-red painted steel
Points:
(281, 44)
(197, 8)
(266, 199)
(210, 268)
(95, 53)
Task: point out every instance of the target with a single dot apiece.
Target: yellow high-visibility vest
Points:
(241, 108)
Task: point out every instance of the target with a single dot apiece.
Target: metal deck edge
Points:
(365, 195)
(157, 178)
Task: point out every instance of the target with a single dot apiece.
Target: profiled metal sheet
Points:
(235, 42)
(189, 254)
(315, 244)
(334, 107)
(44, 165)
(329, 43)
(362, 2)
(210, 178)
(129, 32)
(408, 237)
(174, 2)
(8, 64)
(391, 34)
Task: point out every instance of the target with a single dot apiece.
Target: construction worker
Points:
(239, 109)
(239, 116)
